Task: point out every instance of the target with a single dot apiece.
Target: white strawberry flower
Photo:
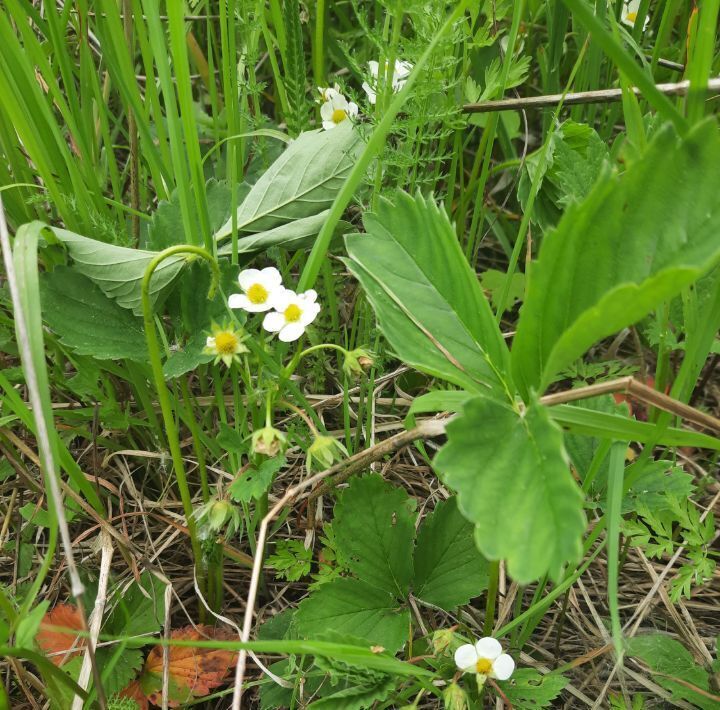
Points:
(259, 286)
(397, 81)
(293, 313)
(336, 109)
(629, 13)
(486, 659)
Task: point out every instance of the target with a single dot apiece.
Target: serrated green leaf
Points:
(187, 357)
(118, 667)
(357, 697)
(374, 526)
(668, 657)
(351, 606)
(426, 297)
(636, 241)
(529, 690)
(87, 321)
(254, 481)
(449, 570)
(512, 478)
(138, 610)
(119, 271)
(301, 183)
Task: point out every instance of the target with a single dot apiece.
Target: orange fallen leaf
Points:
(194, 671)
(55, 641)
(134, 691)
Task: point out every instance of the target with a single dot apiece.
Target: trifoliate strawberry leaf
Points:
(351, 606)
(449, 569)
(375, 525)
(513, 481)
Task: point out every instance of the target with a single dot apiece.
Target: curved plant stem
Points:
(491, 597)
(162, 390)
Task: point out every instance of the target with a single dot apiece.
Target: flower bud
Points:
(358, 362)
(441, 640)
(455, 698)
(325, 451)
(268, 441)
(218, 515)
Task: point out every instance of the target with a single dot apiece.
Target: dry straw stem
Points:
(43, 438)
(429, 429)
(600, 96)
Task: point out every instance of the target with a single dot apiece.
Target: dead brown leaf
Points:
(194, 671)
(55, 641)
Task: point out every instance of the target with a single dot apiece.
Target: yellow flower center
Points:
(226, 343)
(631, 16)
(257, 293)
(293, 313)
(339, 115)
(483, 666)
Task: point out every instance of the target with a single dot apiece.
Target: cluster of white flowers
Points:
(335, 108)
(289, 312)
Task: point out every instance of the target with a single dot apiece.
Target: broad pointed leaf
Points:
(301, 183)
(292, 235)
(449, 570)
(374, 527)
(119, 271)
(637, 240)
(427, 299)
(511, 474)
(87, 321)
(354, 607)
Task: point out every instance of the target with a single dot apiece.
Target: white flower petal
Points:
(309, 296)
(373, 66)
(281, 298)
(402, 69)
(489, 648)
(238, 300)
(270, 278)
(326, 111)
(329, 125)
(258, 307)
(273, 322)
(310, 313)
(466, 657)
(352, 110)
(210, 342)
(503, 667)
(292, 331)
(247, 278)
(372, 98)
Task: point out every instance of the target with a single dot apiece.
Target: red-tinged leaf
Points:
(54, 641)
(134, 691)
(194, 672)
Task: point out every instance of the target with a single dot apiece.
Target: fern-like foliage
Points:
(295, 69)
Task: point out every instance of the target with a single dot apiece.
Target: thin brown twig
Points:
(600, 96)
